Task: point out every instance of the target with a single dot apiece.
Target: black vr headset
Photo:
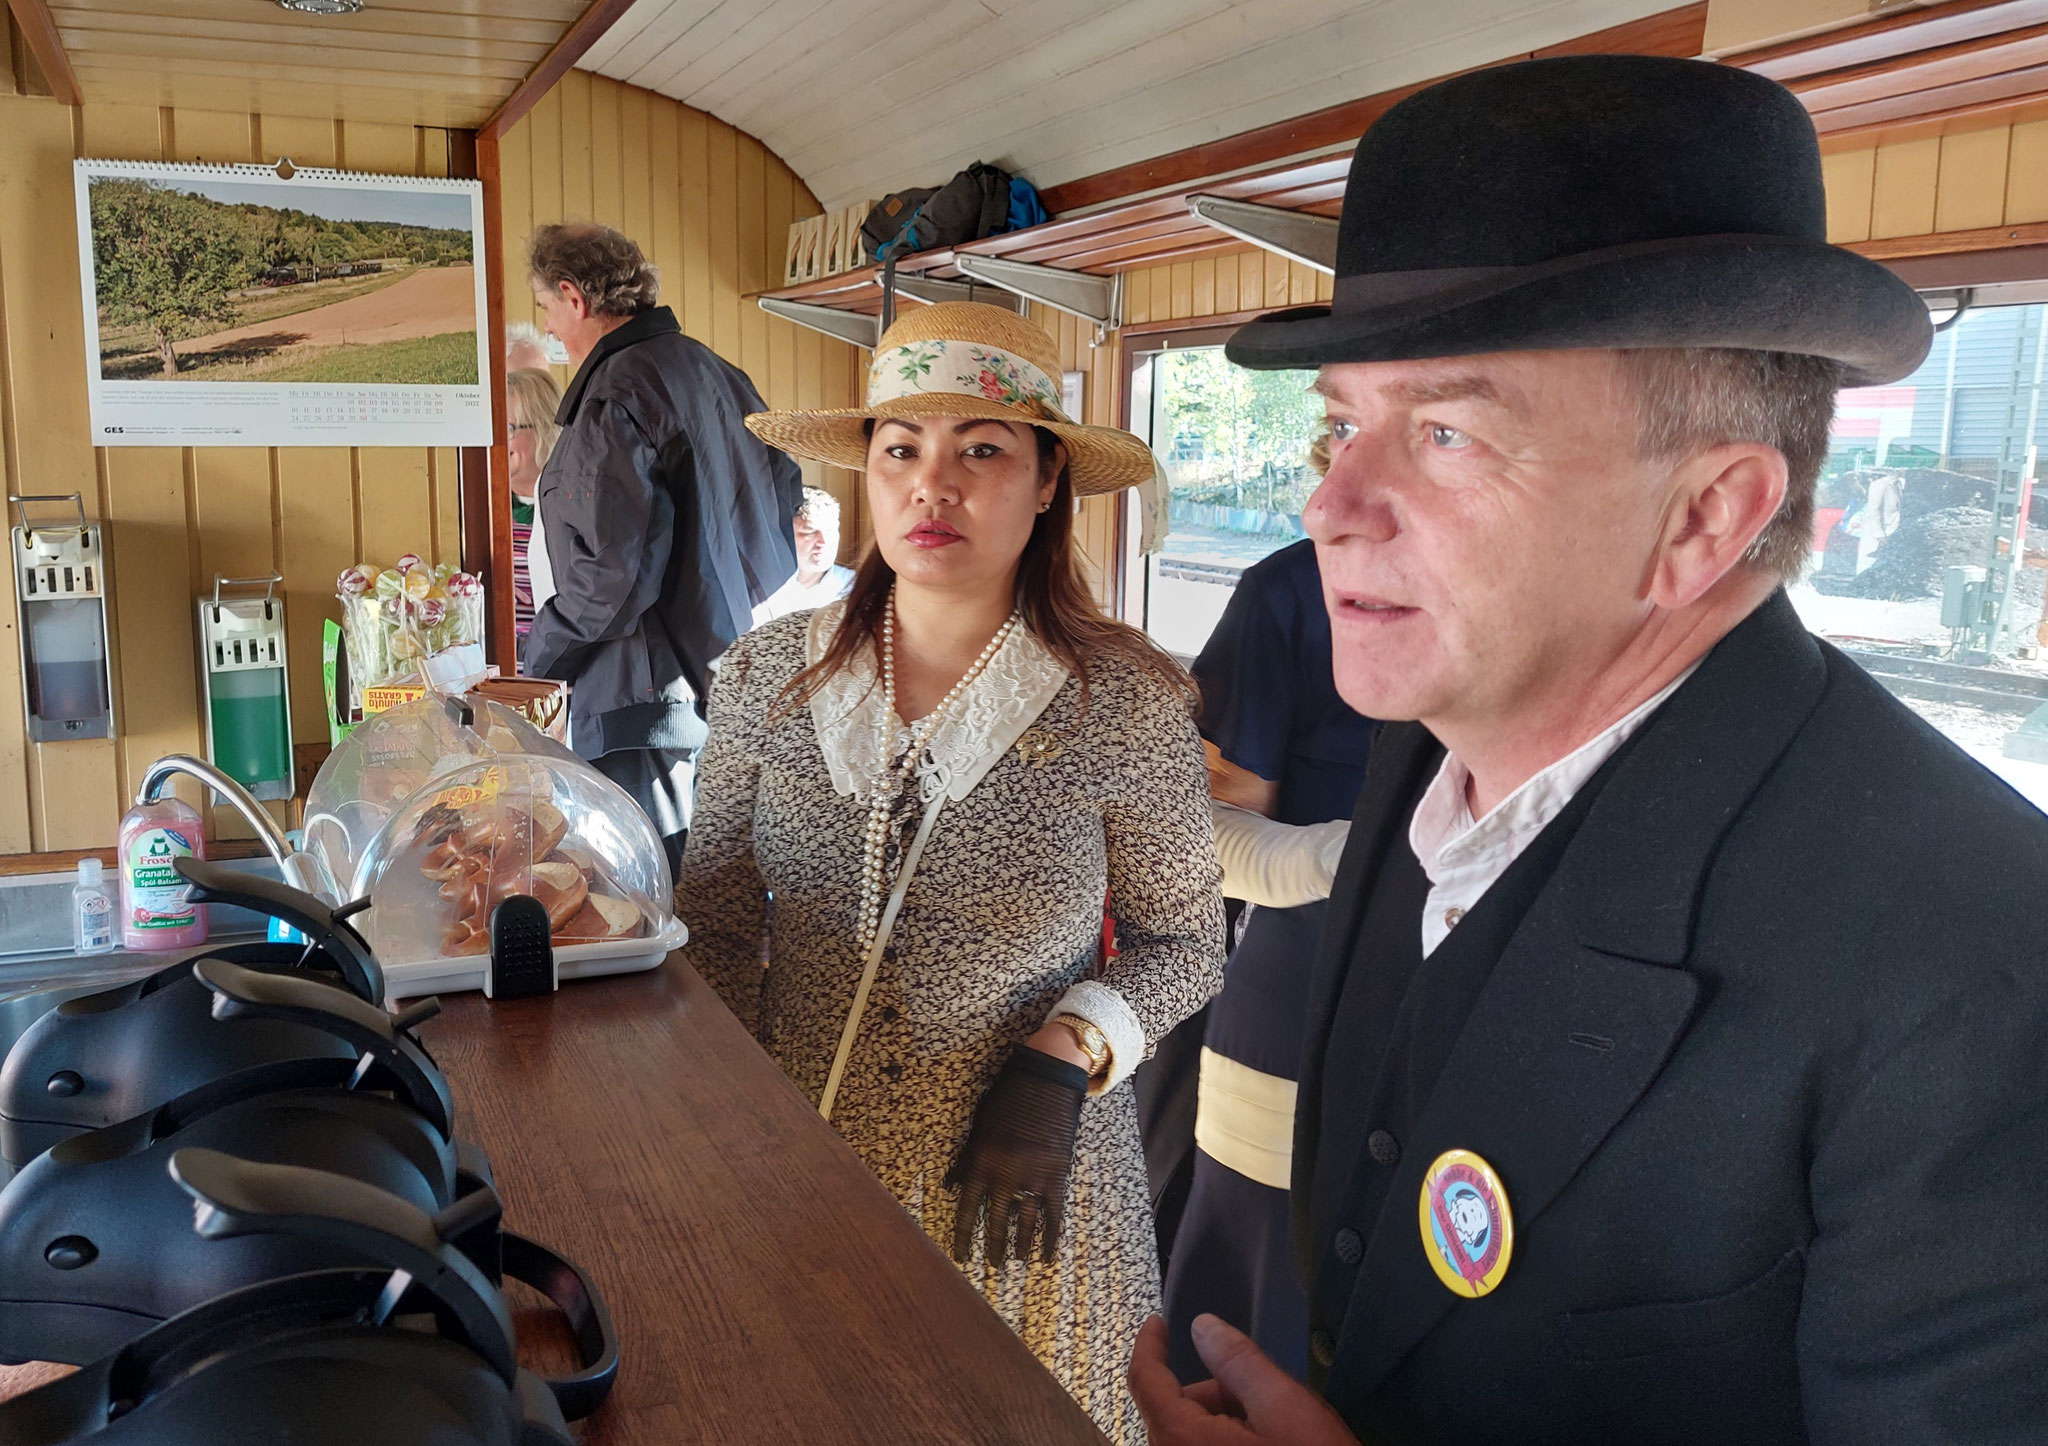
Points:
(413, 1346)
(117, 1054)
(96, 1242)
(343, 1283)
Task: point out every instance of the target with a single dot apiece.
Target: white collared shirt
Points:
(1463, 856)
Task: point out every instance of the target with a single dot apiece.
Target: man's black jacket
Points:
(1764, 1070)
(667, 521)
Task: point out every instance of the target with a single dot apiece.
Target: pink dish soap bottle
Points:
(155, 913)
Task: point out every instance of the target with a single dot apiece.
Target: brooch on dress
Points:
(1039, 747)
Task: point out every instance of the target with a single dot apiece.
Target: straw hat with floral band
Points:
(963, 359)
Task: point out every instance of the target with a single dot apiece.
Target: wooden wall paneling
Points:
(386, 150)
(120, 132)
(1279, 282)
(73, 787)
(1301, 283)
(149, 562)
(396, 507)
(1228, 268)
(212, 136)
(664, 220)
(750, 230)
(234, 523)
(578, 195)
(444, 489)
(307, 140)
(809, 349)
(17, 816)
(1902, 199)
(2026, 177)
(1849, 177)
(1181, 294)
(317, 509)
(607, 178)
(693, 202)
(154, 586)
(721, 202)
(1138, 295)
(484, 473)
(1970, 180)
(1326, 286)
(435, 151)
(1203, 301)
(543, 128)
(778, 382)
(515, 212)
(1251, 278)
(636, 181)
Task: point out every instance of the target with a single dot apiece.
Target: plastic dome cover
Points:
(516, 824)
(392, 755)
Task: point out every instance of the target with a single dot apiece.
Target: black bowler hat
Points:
(1595, 201)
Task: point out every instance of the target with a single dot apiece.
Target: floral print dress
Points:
(1049, 805)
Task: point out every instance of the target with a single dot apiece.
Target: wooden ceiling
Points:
(1963, 64)
(418, 62)
(861, 97)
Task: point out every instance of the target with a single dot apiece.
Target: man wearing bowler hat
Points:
(1667, 1079)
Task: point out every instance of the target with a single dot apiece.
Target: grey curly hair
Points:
(605, 265)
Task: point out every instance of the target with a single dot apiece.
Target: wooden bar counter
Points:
(765, 1287)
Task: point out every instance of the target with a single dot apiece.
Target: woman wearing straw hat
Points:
(939, 779)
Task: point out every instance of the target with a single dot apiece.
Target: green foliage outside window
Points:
(1235, 438)
(177, 264)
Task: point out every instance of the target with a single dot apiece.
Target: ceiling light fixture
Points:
(323, 7)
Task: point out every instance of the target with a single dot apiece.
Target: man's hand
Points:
(1250, 1400)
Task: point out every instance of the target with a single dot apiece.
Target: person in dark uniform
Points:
(1283, 746)
(1674, 1047)
(665, 521)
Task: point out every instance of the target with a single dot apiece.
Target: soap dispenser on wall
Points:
(248, 694)
(60, 594)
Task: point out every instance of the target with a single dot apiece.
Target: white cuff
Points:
(1276, 865)
(1106, 1009)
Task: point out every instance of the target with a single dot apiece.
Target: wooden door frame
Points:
(484, 473)
(1135, 343)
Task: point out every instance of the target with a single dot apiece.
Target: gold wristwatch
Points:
(1094, 1043)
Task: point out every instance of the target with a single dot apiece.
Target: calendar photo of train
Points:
(197, 279)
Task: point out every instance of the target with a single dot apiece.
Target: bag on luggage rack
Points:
(975, 203)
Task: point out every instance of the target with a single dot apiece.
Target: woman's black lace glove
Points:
(1019, 1152)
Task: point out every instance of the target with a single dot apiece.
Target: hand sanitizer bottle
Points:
(92, 911)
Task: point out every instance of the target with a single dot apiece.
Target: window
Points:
(1235, 444)
(1931, 544)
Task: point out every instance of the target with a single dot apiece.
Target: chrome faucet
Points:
(161, 772)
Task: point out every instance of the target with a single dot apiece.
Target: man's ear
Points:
(573, 295)
(1721, 501)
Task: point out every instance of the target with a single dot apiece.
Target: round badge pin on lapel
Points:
(1468, 1232)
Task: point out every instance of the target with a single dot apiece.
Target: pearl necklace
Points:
(882, 791)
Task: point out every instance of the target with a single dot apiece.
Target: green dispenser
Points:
(248, 691)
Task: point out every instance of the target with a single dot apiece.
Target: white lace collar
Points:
(984, 723)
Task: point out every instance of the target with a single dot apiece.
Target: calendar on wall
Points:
(251, 306)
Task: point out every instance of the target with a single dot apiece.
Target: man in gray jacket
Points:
(667, 521)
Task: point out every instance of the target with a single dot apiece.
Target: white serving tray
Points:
(407, 980)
